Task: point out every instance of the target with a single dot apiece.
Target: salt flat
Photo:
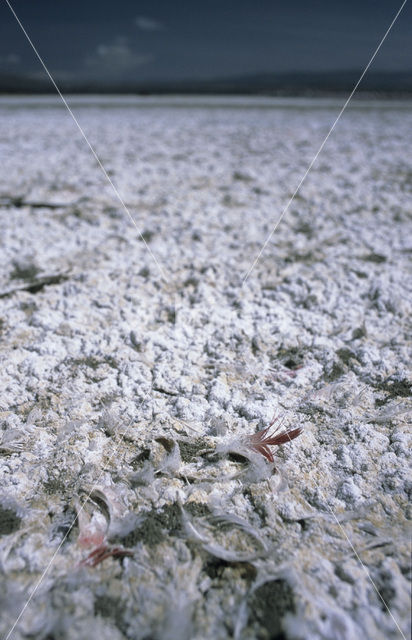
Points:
(133, 376)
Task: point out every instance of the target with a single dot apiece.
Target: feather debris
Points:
(172, 461)
(261, 441)
(105, 551)
(144, 477)
(197, 534)
(15, 438)
(12, 441)
(94, 529)
(232, 518)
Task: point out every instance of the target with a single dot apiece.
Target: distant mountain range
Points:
(289, 84)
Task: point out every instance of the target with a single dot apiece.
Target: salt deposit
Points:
(126, 386)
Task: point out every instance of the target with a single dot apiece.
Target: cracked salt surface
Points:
(110, 375)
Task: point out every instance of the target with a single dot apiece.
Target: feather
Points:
(261, 441)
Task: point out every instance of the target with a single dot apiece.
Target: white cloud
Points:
(60, 75)
(148, 24)
(9, 59)
(116, 59)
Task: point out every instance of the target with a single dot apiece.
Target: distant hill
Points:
(293, 83)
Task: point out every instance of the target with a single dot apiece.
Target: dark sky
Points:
(175, 39)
